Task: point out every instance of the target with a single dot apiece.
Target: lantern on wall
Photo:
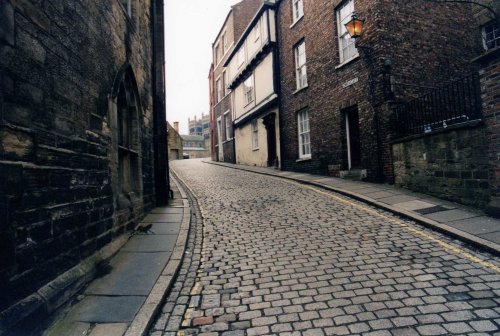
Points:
(355, 26)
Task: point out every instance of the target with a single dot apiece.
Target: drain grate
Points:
(426, 211)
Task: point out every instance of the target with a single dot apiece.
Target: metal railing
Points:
(454, 103)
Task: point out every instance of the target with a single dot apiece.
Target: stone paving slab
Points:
(493, 237)
(163, 218)
(164, 228)
(168, 210)
(107, 309)
(477, 225)
(150, 243)
(109, 329)
(414, 205)
(397, 199)
(379, 194)
(450, 215)
(130, 274)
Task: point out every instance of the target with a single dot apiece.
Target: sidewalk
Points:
(461, 222)
(124, 299)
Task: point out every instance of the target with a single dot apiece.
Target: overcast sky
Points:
(191, 27)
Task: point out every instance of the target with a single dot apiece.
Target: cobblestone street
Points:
(267, 256)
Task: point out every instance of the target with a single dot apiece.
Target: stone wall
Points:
(175, 146)
(451, 164)
(60, 193)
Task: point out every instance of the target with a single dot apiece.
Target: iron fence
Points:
(455, 103)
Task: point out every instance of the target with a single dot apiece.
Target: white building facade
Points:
(252, 70)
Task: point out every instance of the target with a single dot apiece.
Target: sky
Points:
(190, 28)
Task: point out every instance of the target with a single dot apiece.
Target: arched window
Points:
(128, 134)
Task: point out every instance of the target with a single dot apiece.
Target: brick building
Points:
(221, 115)
(253, 79)
(78, 162)
(337, 94)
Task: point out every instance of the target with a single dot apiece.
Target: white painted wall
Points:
(243, 142)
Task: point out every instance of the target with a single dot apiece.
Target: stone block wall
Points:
(58, 171)
(451, 164)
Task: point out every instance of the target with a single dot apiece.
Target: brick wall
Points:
(58, 167)
(411, 36)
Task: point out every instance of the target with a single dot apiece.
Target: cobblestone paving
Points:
(272, 257)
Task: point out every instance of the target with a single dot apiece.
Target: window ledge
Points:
(227, 140)
(301, 89)
(255, 149)
(305, 158)
(295, 22)
(341, 65)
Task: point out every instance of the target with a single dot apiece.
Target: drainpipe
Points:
(162, 185)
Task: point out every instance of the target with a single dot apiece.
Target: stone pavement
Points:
(128, 291)
(270, 256)
(457, 220)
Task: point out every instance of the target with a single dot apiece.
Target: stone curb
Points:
(143, 319)
(440, 227)
(45, 301)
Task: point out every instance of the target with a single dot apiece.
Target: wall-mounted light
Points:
(355, 26)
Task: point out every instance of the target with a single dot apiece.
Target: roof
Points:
(192, 137)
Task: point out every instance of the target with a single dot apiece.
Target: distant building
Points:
(194, 146)
(201, 127)
(175, 142)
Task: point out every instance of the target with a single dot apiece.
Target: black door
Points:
(270, 125)
(353, 138)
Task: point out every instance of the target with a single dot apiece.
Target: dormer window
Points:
(491, 35)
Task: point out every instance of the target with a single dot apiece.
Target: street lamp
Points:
(355, 26)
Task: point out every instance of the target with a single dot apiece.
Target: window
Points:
(255, 134)
(128, 136)
(298, 9)
(241, 57)
(127, 4)
(220, 93)
(216, 53)
(304, 136)
(491, 35)
(224, 43)
(248, 90)
(227, 124)
(257, 31)
(347, 49)
(300, 65)
(225, 88)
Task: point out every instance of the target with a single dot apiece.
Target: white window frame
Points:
(224, 43)
(241, 56)
(495, 35)
(218, 86)
(217, 53)
(248, 94)
(255, 134)
(304, 133)
(300, 65)
(226, 79)
(297, 10)
(347, 47)
(227, 126)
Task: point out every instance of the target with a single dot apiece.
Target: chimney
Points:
(176, 126)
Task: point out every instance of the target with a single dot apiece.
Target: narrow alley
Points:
(271, 256)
